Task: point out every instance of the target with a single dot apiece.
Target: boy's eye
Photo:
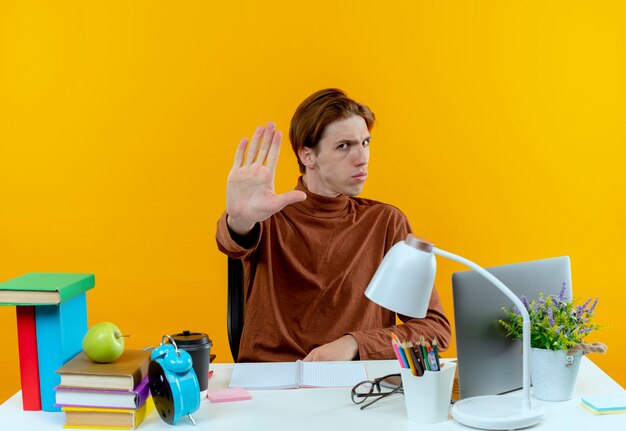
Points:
(366, 143)
(342, 146)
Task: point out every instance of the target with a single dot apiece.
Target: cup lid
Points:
(188, 338)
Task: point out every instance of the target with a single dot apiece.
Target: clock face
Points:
(161, 392)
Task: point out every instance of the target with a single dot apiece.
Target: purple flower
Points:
(516, 311)
(562, 293)
(579, 311)
(593, 307)
(524, 300)
(554, 300)
(557, 331)
(541, 301)
(550, 317)
(586, 303)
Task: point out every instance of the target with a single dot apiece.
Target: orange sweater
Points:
(312, 262)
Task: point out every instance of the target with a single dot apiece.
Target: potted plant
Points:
(558, 329)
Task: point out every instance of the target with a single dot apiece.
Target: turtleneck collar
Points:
(320, 206)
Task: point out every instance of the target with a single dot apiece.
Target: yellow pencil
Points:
(409, 358)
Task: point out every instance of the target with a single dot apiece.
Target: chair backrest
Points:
(236, 304)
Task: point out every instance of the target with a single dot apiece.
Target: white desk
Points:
(332, 409)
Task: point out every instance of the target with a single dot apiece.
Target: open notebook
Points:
(286, 375)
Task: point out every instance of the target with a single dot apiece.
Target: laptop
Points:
(489, 362)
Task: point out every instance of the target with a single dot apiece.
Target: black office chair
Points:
(236, 311)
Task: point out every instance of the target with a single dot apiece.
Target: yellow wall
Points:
(500, 135)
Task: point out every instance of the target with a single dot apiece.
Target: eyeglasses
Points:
(377, 389)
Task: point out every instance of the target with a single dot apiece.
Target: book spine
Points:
(29, 364)
(142, 412)
(60, 331)
(75, 289)
(140, 374)
(143, 392)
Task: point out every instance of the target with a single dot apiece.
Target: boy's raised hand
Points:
(250, 196)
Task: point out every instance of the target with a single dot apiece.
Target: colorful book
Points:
(123, 374)
(99, 418)
(37, 288)
(113, 399)
(29, 364)
(60, 331)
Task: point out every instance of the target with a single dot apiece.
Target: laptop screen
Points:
(490, 363)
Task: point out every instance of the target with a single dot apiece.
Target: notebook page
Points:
(266, 375)
(332, 374)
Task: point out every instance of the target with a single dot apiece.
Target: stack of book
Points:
(51, 311)
(114, 395)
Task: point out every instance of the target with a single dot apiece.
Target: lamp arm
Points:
(518, 303)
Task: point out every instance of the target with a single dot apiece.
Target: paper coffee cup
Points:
(198, 345)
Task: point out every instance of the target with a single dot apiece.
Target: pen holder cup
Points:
(428, 397)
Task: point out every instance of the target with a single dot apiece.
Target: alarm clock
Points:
(173, 382)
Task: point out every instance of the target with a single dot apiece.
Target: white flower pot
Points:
(553, 374)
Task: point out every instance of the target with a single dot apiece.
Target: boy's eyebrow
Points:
(352, 141)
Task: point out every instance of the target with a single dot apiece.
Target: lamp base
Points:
(494, 412)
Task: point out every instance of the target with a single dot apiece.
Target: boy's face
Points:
(338, 165)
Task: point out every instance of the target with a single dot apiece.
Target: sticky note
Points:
(226, 395)
(605, 403)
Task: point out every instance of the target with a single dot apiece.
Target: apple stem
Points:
(122, 336)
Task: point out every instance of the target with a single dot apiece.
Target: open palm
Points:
(250, 196)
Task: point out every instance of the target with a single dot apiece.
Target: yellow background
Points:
(500, 135)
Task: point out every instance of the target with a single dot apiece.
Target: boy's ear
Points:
(307, 157)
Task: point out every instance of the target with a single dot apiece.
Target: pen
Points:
(403, 362)
(436, 350)
(432, 360)
(409, 358)
(395, 349)
(420, 358)
(419, 367)
(424, 353)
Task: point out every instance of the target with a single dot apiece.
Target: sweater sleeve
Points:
(376, 343)
(233, 245)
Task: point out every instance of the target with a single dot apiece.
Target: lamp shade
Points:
(403, 282)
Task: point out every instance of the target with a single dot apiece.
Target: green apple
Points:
(103, 342)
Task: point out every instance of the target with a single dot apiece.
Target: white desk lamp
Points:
(403, 283)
